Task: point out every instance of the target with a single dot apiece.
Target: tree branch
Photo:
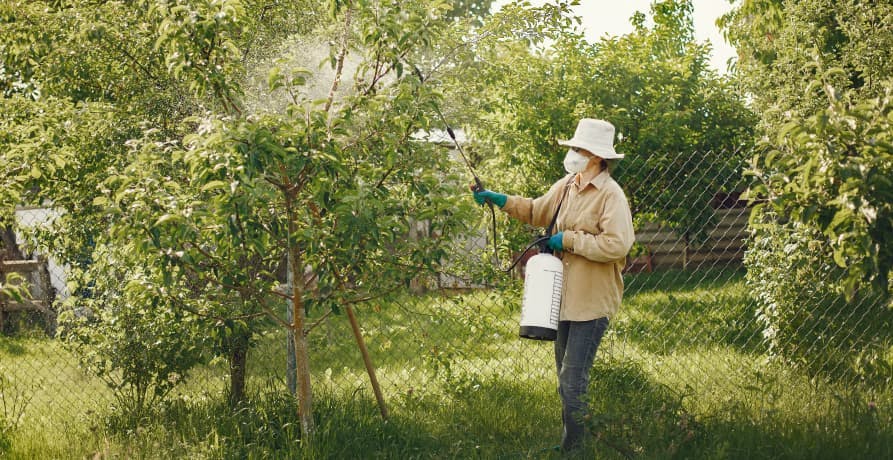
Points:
(339, 66)
(316, 323)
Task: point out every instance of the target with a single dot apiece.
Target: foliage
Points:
(62, 152)
(475, 10)
(818, 72)
(198, 40)
(785, 48)
(673, 114)
(13, 286)
(63, 136)
(807, 321)
(129, 330)
(13, 403)
(832, 171)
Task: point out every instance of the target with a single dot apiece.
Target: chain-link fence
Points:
(719, 316)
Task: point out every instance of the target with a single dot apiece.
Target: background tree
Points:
(191, 201)
(672, 113)
(473, 10)
(818, 73)
(81, 79)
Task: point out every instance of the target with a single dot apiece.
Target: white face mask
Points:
(575, 162)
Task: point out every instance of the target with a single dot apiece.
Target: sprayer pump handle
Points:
(543, 243)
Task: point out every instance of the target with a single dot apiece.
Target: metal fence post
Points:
(290, 360)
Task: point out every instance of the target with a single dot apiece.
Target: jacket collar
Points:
(598, 181)
(601, 179)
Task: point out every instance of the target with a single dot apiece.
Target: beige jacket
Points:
(598, 233)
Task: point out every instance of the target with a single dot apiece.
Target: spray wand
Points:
(478, 184)
(479, 187)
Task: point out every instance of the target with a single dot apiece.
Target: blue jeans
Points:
(575, 349)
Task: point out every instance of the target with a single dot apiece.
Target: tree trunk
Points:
(238, 362)
(9, 249)
(302, 371)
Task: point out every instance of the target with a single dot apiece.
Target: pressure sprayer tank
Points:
(542, 297)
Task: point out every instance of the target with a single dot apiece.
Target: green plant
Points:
(129, 333)
(806, 319)
(13, 403)
(13, 286)
(831, 171)
(818, 74)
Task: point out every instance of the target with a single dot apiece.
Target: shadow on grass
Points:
(498, 419)
(11, 347)
(635, 417)
(691, 310)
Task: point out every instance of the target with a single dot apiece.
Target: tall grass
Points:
(682, 373)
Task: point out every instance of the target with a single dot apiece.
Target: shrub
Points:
(127, 334)
(13, 402)
(805, 315)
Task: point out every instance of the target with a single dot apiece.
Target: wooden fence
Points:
(663, 248)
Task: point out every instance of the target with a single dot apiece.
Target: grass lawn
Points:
(682, 373)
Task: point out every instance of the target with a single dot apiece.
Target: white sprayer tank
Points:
(542, 297)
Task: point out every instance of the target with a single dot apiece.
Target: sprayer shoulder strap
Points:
(558, 208)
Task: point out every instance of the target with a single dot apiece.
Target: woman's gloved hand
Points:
(555, 242)
(486, 195)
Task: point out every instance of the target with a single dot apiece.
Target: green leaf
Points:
(215, 185)
(839, 258)
(841, 216)
(275, 79)
(172, 218)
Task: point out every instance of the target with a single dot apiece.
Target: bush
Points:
(13, 402)
(805, 315)
(124, 331)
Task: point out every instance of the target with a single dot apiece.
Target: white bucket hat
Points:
(596, 136)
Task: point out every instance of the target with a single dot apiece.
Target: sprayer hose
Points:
(493, 229)
(520, 256)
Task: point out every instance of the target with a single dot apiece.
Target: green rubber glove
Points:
(486, 195)
(556, 242)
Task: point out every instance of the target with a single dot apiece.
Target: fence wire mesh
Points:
(718, 314)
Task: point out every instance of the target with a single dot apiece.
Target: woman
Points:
(594, 234)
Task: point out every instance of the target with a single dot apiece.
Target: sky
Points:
(611, 18)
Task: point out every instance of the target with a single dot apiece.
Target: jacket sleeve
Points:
(536, 211)
(616, 238)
